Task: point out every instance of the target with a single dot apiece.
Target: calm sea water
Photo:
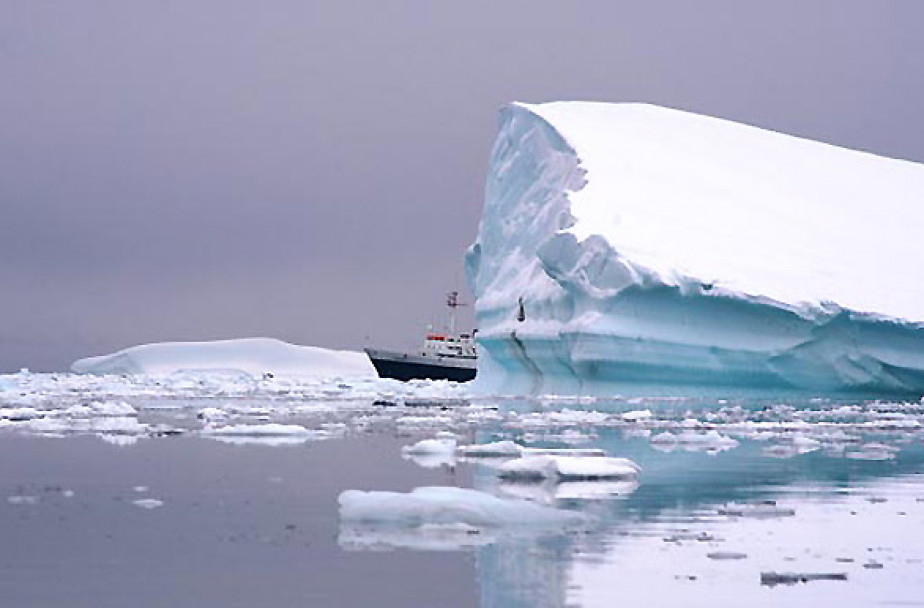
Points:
(258, 525)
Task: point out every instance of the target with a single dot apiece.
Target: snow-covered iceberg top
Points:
(632, 243)
(687, 197)
(255, 356)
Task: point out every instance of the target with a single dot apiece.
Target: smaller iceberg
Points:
(253, 356)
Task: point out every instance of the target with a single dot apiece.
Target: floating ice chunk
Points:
(637, 415)
(805, 444)
(564, 452)
(272, 441)
(148, 503)
(334, 429)
(594, 490)
(452, 537)
(430, 447)
(796, 445)
(412, 423)
(693, 441)
(551, 491)
(569, 416)
(119, 440)
(259, 430)
(434, 460)
(112, 408)
(768, 509)
(726, 555)
(568, 468)
(481, 415)
(212, 415)
(873, 451)
(571, 437)
(497, 449)
(685, 535)
(77, 411)
(448, 506)
(771, 579)
(106, 425)
(17, 414)
(665, 438)
(433, 453)
(22, 500)
(269, 435)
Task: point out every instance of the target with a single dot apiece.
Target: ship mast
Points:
(452, 301)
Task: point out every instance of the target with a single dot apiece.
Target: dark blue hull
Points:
(410, 367)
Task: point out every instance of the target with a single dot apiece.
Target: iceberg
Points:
(254, 356)
(628, 245)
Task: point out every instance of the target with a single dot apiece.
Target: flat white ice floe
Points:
(496, 449)
(270, 434)
(627, 243)
(568, 468)
(564, 452)
(548, 493)
(431, 453)
(121, 441)
(694, 441)
(254, 356)
(212, 415)
(18, 414)
(448, 506)
(431, 446)
(22, 500)
(101, 408)
(107, 425)
(760, 510)
(271, 429)
(148, 503)
(873, 451)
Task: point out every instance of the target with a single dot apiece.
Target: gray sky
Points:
(313, 171)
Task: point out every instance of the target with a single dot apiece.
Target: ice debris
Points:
(568, 468)
(148, 503)
(772, 579)
(448, 506)
(766, 509)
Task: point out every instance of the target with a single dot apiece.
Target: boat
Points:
(443, 356)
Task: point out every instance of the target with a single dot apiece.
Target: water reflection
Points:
(707, 528)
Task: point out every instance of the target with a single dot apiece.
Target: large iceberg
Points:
(633, 245)
(255, 356)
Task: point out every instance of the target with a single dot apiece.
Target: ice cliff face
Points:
(646, 246)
